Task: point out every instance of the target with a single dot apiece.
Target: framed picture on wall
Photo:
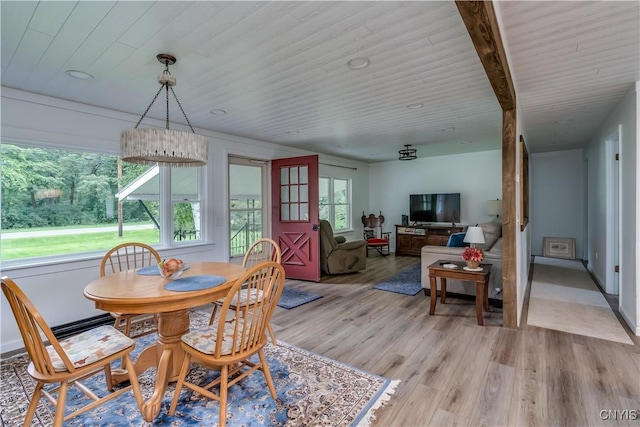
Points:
(559, 247)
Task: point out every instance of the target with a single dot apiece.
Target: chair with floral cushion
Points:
(69, 361)
(260, 251)
(237, 334)
(128, 256)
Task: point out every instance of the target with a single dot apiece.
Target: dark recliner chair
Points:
(344, 257)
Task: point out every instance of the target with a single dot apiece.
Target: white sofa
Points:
(492, 254)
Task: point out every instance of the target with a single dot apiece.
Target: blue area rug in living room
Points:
(406, 282)
(292, 297)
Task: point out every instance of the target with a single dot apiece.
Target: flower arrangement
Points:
(472, 254)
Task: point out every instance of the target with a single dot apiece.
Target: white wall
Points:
(476, 176)
(624, 114)
(57, 289)
(557, 198)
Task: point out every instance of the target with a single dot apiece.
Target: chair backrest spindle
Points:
(260, 251)
(263, 284)
(32, 329)
(128, 256)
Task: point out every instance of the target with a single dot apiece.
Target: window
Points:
(335, 202)
(185, 198)
(246, 208)
(58, 202)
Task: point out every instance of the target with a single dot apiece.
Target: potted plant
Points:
(473, 257)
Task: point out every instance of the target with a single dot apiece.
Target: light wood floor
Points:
(454, 372)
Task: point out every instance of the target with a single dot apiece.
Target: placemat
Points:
(194, 283)
(153, 270)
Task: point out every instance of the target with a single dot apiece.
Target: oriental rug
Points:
(312, 390)
(406, 282)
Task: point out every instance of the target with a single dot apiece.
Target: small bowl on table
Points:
(171, 275)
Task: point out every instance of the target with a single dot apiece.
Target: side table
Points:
(481, 278)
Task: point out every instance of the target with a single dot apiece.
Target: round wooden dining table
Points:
(130, 292)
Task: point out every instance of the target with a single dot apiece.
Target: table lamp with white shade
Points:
(474, 236)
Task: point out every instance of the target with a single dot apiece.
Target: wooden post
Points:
(480, 19)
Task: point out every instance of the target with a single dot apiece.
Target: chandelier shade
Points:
(149, 146)
(408, 153)
(165, 147)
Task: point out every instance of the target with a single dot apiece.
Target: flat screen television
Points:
(438, 207)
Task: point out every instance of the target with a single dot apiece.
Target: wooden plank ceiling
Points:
(279, 69)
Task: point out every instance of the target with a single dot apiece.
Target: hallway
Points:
(565, 298)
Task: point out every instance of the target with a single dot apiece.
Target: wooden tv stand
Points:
(411, 238)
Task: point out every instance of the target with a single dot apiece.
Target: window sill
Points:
(64, 262)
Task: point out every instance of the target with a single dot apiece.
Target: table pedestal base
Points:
(167, 355)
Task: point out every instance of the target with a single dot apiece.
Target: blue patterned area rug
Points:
(292, 297)
(406, 282)
(312, 390)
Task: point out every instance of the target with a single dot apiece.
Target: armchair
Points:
(338, 258)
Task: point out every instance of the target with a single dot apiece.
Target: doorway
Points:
(247, 203)
(613, 213)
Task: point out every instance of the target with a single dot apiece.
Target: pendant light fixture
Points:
(408, 153)
(165, 147)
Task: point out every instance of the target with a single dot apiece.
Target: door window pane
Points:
(304, 175)
(293, 194)
(293, 209)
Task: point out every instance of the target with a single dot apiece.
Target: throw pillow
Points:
(492, 231)
(456, 240)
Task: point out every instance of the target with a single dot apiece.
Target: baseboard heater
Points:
(73, 328)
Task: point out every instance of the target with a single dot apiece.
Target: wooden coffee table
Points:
(481, 278)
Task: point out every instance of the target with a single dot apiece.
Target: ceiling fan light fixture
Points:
(408, 153)
(165, 147)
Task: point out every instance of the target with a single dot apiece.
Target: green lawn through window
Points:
(40, 246)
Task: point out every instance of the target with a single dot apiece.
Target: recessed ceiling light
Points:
(80, 75)
(415, 105)
(218, 112)
(357, 63)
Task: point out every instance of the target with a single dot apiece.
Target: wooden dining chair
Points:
(129, 256)
(237, 334)
(69, 361)
(260, 251)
